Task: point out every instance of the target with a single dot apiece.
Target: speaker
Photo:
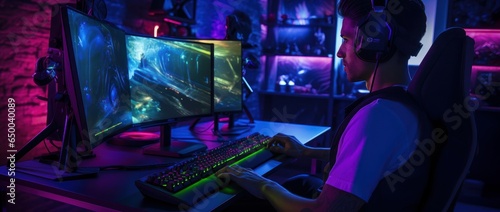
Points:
(374, 35)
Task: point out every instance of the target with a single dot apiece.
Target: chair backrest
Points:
(441, 87)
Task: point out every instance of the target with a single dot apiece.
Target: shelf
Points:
(299, 47)
(326, 25)
(306, 95)
(344, 97)
(273, 54)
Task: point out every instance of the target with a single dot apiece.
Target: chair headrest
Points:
(442, 78)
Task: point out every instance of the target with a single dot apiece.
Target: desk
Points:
(115, 189)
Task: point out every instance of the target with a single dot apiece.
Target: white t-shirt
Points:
(377, 140)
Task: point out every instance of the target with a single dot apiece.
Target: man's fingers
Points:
(225, 173)
(275, 142)
(220, 171)
(234, 170)
(238, 169)
(276, 149)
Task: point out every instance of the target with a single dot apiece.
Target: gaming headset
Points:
(375, 40)
(46, 69)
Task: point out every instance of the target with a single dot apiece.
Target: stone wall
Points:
(24, 34)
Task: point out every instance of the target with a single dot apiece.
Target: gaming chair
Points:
(441, 88)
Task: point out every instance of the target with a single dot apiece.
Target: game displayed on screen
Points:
(227, 75)
(169, 79)
(100, 58)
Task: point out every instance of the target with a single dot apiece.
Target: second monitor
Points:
(228, 84)
(170, 80)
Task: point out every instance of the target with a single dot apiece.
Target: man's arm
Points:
(330, 199)
(291, 146)
(317, 153)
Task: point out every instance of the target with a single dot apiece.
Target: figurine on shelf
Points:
(284, 19)
(319, 44)
(295, 49)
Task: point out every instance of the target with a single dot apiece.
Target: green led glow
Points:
(230, 158)
(249, 156)
(213, 179)
(229, 190)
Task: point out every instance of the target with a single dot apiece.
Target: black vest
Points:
(402, 190)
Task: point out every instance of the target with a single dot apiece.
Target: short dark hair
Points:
(356, 10)
(408, 16)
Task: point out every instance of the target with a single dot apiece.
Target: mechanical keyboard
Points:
(192, 180)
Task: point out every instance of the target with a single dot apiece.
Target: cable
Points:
(375, 71)
(91, 9)
(46, 147)
(54, 145)
(204, 130)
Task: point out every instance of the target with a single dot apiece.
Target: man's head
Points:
(402, 25)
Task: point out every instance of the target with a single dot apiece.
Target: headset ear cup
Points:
(42, 75)
(359, 44)
(39, 77)
(374, 39)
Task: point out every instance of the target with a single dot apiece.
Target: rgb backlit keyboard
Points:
(189, 181)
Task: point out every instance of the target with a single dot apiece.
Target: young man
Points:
(378, 135)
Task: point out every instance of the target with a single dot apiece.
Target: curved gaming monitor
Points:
(97, 76)
(93, 91)
(170, 80)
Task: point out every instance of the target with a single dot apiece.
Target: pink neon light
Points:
(172, 21)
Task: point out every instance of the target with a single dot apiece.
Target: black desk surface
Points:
(114, 189)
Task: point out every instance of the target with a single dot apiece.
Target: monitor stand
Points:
(172, 148)
(230, 128)
(134, 139)
(66, 167)
(63, 166)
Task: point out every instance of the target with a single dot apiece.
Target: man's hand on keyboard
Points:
(244, 177)
(286, 144)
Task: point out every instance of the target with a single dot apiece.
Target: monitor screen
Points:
(169, 79)
(97, 79)
(227, 75)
